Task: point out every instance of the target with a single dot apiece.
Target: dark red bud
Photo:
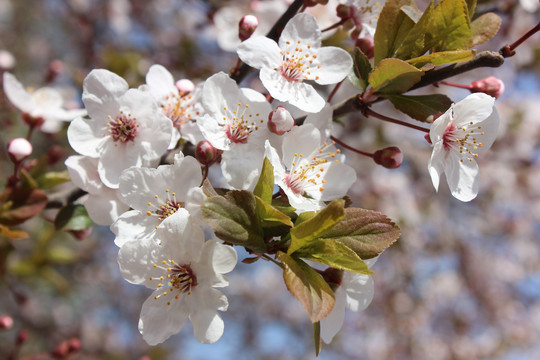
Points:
(366, 46)
(206, 154)
(22, 336)
(247, 26)
(390, 157)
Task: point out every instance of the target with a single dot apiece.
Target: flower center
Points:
(297, 62)
(365, 14)
(123, 128)
(464, 139)
(308, 172)
(164, 207)
(178, 108)
(178, 279)
(240, 123)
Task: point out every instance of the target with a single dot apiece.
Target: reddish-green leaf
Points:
(307, 286)
(366, 232)
(19, 205)
(484, 28)
(394, 76)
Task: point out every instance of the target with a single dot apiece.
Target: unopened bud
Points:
(7, 60)
(333, 277)
(185, 86)
(33, 121)
(81, 234)
(366, 46)
(19, 149)
(61, 351)
(490, 85)
(390, 157)
(207, 154)
(280, 121)
(22, 336)
(247, 26)
(56, 67)
(55, 154)
(6, 322)
(343, 11)
(75, 345)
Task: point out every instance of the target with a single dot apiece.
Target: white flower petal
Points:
(359, 290)
(436, 164)
(159, 321)
(241, 166)
(331, 324)
(16, 93)
(104, 208)
(474, 108)
(335, 65)
(302, 27)
(462, 177)
(83, 138)
(259, 52)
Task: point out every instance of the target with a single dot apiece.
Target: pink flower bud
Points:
(75, 345)
(206, 154)
(22, 336)
(490, 85)
(280, 121)
(390, 157)
(19, 149)
(7, 60)
(343, 11)
(185, 86)
(247, 26)
(366, 46)
(6, 322)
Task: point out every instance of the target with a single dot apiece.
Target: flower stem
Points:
(348, 147)
(272, 260)
(449, 83)
(334, 90)
(509, 50)
(338, 24)
(368, 112)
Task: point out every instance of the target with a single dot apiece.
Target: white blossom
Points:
(458, 136)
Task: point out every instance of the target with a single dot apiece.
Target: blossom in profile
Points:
(310, 171)
(179, 101)
(184, 271)
(355, 292)
(125, 128)
(42, 107)
(468, 128)
(103, 204)
(284, 67)
(363, 14)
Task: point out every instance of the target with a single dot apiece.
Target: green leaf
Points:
(443, 57)
(274, 222)
(366, 232)
(484, 28)
(392, 27)
(307, 286)
(471, 7)
(394, 76)
(334, 254)
(309, 230)
(317, 337)
(19, 205)
(265, 185)
(61, 255)
(419, 39)
(420, 107)
(412, 12)
(72, 217)
(361, 70)
(233, 218)
(452, 25)
(52, 179)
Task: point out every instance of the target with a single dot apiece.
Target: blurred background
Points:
(462, 282)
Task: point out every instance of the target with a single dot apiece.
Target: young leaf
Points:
(265, 185)
(273, 221)
(233, 218)
(208, 189)
(392, 27)
(471, 6)
(12, 233)
(394, 76)
(19, 205)
(452, 24)
(334, 254)
(420, 107)
(361, 70)
(443, 57)
(484, 28)
(307, 286)
(419, 38)
(72, 217)
(365, 232)
(311, 229)
(52, 178)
